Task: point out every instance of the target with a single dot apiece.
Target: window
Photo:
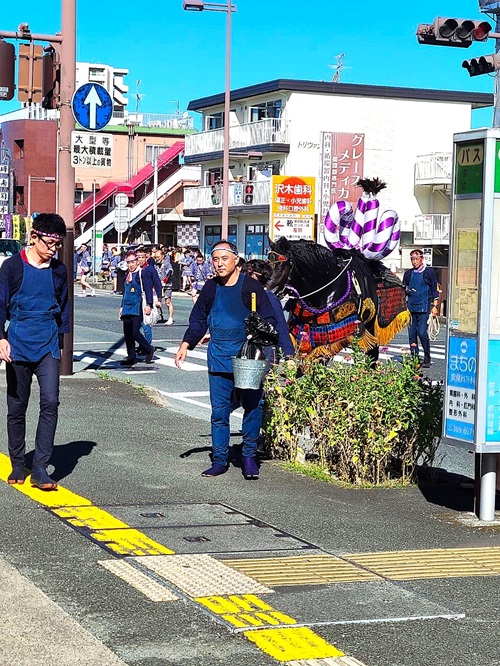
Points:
(152, 149)
(256, 241)
(215, 121)
(19, 195)
(212, 235)
(19, 148)
(78, 197)
(260, 170)
(96, 72)
(213, 176)
(271, 109)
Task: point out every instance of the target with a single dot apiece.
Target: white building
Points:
(277, 128)
(110, 78)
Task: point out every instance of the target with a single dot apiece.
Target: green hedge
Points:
(361, 425)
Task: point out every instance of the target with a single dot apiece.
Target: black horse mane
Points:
(308, 255)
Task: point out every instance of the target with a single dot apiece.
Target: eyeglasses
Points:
(50, 245)
(131, 261)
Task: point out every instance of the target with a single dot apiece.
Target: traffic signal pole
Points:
(65, 170)
(496, 109)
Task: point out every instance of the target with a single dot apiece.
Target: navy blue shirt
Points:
(198, 319)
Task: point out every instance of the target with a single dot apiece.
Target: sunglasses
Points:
(50, 245)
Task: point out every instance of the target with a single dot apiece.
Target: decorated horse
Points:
(339, 293)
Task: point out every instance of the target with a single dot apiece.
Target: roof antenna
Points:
(338, 67)
(137, 96)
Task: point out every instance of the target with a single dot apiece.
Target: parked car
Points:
(8, 247)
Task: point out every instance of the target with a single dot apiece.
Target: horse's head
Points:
(281, 264)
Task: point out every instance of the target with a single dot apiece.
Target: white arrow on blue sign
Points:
(92, 106)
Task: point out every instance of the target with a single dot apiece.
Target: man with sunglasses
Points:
(34, 299)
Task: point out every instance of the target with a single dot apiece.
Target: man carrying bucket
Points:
(221, 308)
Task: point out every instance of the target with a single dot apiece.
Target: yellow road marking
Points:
(292, 643)
(130, 542)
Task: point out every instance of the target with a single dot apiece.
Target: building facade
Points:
(402, 135)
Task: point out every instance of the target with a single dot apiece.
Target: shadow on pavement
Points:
(443, 488)
(65, 457)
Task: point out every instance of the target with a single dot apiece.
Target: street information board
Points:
(91, 150)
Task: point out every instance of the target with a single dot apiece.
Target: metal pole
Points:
(227, 112)
(66, 172)
(155, 199)
(29, 194)
(488, 486)
(93, 229)
(496, 110)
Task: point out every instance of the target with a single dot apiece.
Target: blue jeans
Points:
(147, 331)
(19, 377)
(418, 327)
(221, 397)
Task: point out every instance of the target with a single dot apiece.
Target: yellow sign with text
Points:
(293, 200)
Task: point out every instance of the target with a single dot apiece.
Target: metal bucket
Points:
(248, 372)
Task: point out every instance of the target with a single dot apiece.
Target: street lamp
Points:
(198, 6)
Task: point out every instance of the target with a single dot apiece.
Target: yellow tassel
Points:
(385, 335)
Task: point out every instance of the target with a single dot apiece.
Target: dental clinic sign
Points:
(460, 400)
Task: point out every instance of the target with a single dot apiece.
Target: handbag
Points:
(151, 318)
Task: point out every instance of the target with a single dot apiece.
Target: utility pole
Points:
(65, 171)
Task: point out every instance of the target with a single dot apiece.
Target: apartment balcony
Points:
(267, 136)
(198, 200)
(432, 229)
(434, 169)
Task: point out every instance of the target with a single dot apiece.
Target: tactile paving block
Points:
(202, 575)
(292, 643)
(301, 570)
(340, 661)
(138, 580)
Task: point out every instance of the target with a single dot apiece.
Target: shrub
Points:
(362, 425)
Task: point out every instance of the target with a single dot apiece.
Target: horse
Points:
(338, 295)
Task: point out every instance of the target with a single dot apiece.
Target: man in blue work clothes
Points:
(222, 306)
(34, 299)
(423, 299)
(152, 285)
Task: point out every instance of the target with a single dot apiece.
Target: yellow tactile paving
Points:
(59, 497)
(301, 570)
(129, 542)
(245, 610)
(89, 516)
(438, 563)
(292, 643)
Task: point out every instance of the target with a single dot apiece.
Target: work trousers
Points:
(19, 378)
(132, 334)
(222, 392)
(418, 328)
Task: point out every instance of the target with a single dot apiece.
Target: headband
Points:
(228, 249)
(43, 233)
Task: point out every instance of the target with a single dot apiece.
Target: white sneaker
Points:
(169, 322)
(82, 295)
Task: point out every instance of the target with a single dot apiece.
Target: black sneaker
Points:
(150, 355)
(128, 361)
(427, 362)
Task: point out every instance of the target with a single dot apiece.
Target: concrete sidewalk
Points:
(133, 460)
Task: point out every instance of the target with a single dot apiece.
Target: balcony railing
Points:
(270, 130)
(201, 197)
(433, 169)
(432, 229)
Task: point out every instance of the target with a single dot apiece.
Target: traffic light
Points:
(51, 78)
(447, 31)
(29, 81)
(248, 199)
(483, 65)
(7, 70)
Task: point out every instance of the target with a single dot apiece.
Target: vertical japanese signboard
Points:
(460, 401)
(4, 189)
(341, 166)
(292, 207)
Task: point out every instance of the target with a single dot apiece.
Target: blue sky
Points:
(180, 55)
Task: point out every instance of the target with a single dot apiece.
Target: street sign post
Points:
(92, 106)
(122, 219)
(121, 200)
(472, 388)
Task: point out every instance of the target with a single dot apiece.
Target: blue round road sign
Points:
(92, 106)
